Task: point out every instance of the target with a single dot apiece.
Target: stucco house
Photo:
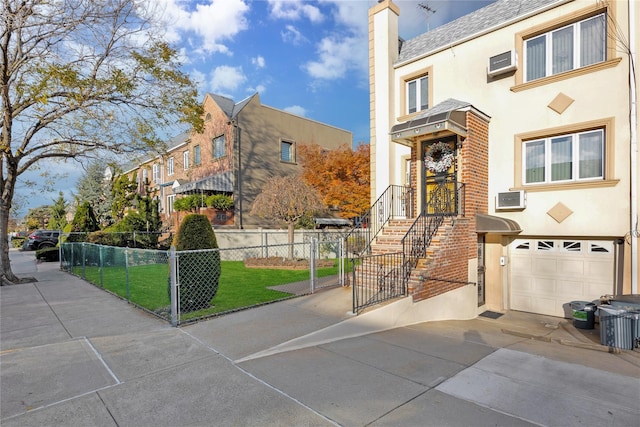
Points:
(517, 126)
(242, 145)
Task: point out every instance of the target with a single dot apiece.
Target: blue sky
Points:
(305, 57)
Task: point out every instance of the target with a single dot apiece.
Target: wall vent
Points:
(502, 63)
(511, 200)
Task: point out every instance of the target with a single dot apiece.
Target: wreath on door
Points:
(439, 157)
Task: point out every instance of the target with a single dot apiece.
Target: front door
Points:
(440, 183)
(481, 287)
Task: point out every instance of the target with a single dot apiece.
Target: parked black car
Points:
(41, 239)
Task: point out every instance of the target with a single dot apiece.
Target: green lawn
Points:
(238, 287)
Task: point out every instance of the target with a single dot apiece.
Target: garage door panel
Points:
(569, 288)
(542, 281)
(522, 283)
(543, 285)
(600, 269)
(545, 306)
(521, 265)
(571, 267)
(545, 266)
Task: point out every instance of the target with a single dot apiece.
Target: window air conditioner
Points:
(511, 200)
(502, 63)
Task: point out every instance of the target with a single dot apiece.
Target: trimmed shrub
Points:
(199, 271)
(220, 201)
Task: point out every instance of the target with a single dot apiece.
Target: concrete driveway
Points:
(73, 355)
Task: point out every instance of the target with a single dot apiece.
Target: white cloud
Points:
(292, 35)
(261, 89)
(297, 110)
(211, 22)
(336, 56)
(295, 10)
(225, 78)
(346, 48)
(258, 61)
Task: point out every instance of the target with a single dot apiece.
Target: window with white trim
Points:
(564, 158)
(170, 199)
(417, 94)
(219, 147)
(185, 159)
(567, 48)
(170, 166)
(156, 173)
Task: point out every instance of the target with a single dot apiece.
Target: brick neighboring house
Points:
(242, 145)
(532, 102)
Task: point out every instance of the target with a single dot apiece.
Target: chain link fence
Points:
(186, 286)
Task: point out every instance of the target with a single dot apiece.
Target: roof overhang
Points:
(495, 224)
(454, 121)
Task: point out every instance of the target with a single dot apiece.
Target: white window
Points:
(145, 175)
(418, 94)
(170, 166)
(219, 147)
(287, 152)
(564, 158)
(170, 199)
(574, 46)
(185, 160)
(156, 173)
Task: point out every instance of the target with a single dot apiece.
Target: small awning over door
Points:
(449, 115)
(495, 224)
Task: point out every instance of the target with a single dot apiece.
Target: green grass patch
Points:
(239, 287)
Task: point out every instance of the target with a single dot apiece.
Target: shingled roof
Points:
(493, 15)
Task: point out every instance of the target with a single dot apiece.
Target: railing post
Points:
(173, 278)
(341, 261)
(101, 265)
(313, 252)
(126, 271)
(84, 257)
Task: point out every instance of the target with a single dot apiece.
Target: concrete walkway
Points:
(73, 355)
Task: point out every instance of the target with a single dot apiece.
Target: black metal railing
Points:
(395, 202)
(376, 278)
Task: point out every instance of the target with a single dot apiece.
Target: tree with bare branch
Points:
(83, 78)
(286, 199)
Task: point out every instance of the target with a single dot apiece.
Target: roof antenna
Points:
(428, 11)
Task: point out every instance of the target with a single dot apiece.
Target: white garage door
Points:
(546, 273)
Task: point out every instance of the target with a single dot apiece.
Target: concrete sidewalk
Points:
(73, 355)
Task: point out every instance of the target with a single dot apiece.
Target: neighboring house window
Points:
(156, 173)
(170, 166)
(219, 147)
(287, 152)
(567, 48)
(170, 199)
(145, 176)
(417, 94)
(196, 155)
(564, 158)
(185, 159)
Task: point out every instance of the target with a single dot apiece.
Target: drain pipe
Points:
(633, 121)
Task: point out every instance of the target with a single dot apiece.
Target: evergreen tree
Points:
(92, 187)
(123, 192)
(58, 218)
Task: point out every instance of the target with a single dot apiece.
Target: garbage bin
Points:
(584, 314)
(616, 327)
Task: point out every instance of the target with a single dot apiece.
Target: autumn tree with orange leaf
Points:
(340, 176)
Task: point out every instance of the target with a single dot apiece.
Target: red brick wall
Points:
(457, 243)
